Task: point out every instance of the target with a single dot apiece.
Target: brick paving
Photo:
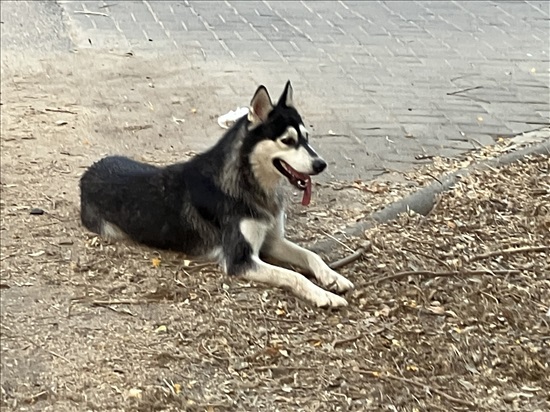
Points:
(385, 82)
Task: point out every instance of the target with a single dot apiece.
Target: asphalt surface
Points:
(393, 82)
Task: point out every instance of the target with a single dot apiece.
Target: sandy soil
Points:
(450, 312)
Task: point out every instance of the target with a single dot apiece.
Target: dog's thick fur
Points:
(225, 203)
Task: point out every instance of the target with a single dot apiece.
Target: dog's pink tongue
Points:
(307, 192)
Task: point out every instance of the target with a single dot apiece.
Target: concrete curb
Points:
(423, 200)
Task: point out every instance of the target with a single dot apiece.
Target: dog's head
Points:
(281, 143)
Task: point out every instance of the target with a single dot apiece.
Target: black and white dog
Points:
(225, 203)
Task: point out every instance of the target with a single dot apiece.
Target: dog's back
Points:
(123, 198)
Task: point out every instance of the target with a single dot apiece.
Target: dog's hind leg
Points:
(303, 288)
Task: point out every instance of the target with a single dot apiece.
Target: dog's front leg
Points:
(303, 288)
(242, 245)
(285, 251)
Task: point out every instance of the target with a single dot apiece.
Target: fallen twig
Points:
(8, 256)
(464, 90)
(339, 342)
(510, 251)
(285, 320)
(348, 259)
(283, 368)
(91, 13)
(419, 385)
(429, 273)
(48, 109)
(107, 304)
(34, 398)
(32, 342)
(427, 256)
(123, 311)
(115, 302)
(338, 241)
(434, 390)
(192, 268)
(383, 328)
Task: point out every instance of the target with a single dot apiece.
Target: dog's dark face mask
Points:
(282, 149)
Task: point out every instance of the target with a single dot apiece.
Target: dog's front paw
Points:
(326, 299)
(334, 281)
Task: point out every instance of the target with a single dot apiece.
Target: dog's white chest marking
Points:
(254, 231)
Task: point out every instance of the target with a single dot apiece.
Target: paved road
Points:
(394, 81)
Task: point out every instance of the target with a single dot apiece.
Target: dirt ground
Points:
(450, 310)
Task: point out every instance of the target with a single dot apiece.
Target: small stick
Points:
(383, 328)
(402, 275)
(419, 385)
(284, 368)
(7, 256)
(348, 259)
(347, 340)
(32, 342)
(510, 252)
(196, 266)
(125, 311)
(434, 390)
(116, 302)
(435, 178)
(428, 256)
(32, 398)
(464, 90)
(282, 320)
(91, 13)
(337, 240)
(106, 304)
(48, 109)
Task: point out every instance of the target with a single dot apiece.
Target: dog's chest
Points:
(256, 231)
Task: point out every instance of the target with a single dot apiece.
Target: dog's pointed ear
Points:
(286, 98)
(260, 106)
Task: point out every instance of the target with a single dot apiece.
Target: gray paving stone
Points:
(367, 69)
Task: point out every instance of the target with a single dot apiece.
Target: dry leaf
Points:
(436, 310)
(385, 311)
(135, 393)
(36, 254)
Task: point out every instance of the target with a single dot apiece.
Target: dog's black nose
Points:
(319, 165)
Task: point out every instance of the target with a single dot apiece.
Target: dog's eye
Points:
(289, 141)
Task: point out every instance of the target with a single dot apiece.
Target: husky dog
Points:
(225, 203)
